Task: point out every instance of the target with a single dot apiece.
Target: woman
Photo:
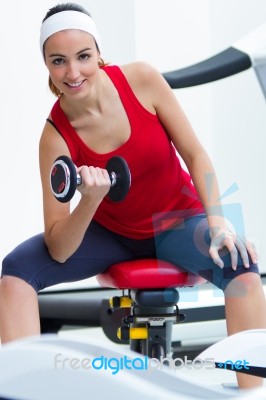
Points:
(102, 111)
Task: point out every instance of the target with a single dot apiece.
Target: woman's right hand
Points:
(95, 182)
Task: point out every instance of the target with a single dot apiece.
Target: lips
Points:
(74, 85)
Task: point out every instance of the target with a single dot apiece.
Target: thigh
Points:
(187, 245)
(31, 261)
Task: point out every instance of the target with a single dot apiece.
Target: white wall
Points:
(239, 119)
(171, 35)
(228, 116)
(25, 104)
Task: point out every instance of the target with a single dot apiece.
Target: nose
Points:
(72, 72)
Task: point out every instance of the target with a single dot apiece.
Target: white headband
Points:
(68, 20)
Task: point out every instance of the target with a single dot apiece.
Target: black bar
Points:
(229, 62)
(257, 371)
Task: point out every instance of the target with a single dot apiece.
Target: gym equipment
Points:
(53, 367)
(250, 51)
(243, 352)
(148, 317)
(64, 178)
(145, 316)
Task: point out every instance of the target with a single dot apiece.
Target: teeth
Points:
(75, 84)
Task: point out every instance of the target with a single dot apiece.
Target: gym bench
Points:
(148, 307)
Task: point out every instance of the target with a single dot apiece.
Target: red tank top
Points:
(161, 191)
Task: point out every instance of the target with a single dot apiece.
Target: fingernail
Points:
(247, 265)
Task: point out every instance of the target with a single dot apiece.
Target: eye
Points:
(84, 56)
(58, 61)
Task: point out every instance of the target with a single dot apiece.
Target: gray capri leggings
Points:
(186, 246)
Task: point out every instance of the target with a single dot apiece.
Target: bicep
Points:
(51, 146)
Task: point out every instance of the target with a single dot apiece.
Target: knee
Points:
(14, 278)
(8, 264)
(11, 286)
(243, 285)
(10, 261)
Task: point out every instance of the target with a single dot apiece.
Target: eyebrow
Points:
(61, 55)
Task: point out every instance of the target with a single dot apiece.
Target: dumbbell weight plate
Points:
(63, 179)
(119, 167)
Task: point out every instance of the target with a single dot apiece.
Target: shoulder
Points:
(140, 73)
(147, 83)
(51, 139)
(141, 67)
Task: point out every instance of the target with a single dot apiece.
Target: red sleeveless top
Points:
(161, 192)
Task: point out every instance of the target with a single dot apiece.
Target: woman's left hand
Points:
(234, 243)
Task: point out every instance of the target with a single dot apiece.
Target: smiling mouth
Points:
(74, 84)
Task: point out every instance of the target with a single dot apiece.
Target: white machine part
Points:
(50, 367)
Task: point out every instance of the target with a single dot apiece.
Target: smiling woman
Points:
(130, 111)
(67, 15)
(66, 67)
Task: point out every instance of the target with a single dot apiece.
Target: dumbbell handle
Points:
(112, 176)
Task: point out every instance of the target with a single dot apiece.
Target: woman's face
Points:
(71, 57)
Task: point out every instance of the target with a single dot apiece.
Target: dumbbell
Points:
(64, 178)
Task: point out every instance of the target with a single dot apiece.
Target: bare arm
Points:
(64, 230)
(155, 90)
